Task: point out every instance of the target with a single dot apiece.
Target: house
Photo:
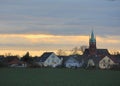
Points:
(73, 62)
(37, 62)
(91, 62)
(15, 62)
(49, 59)
(106, 63)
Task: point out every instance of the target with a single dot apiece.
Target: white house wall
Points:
(53, 61)
(72, 63)
(106, 63)
(90, 63)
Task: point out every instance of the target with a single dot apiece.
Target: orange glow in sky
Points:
(36, 44)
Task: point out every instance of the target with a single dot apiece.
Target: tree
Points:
(83, 47)
(75, 50)
(79, 50)
(26, 58)
(61, 52)
(116, 53)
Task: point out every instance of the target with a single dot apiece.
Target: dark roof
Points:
(45, 56)
(103, 51)
(98, 52)
(36, 59)
(96, 59)
(64, 58)
(115, 59)
(14, 61)
(118, 59)
(77, 57)
(10, 58)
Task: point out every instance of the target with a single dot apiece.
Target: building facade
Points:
(94, 55)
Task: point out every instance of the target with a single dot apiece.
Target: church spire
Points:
(92, 44)
(92, 38)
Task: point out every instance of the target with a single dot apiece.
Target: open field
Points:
(58, 77)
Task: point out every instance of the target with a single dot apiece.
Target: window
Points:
(108, 60)
(104, 65)
(103, 61)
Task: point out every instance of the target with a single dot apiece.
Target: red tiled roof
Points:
(14, 61)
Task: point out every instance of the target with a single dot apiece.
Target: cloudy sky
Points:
(35, 25)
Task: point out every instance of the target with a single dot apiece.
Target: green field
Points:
(58, 77)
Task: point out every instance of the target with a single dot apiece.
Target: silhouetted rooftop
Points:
(45, 56)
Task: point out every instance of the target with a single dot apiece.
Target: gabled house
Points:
(49, 59)
(15, 62)
(106, 63)
(91, 62)
(37, 62)
(73, 62)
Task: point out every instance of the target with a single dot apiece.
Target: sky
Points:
(49, 25)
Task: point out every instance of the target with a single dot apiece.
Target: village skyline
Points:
(92, 57)
(60, 42)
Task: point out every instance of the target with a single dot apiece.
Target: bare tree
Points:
(116, 53)
(61, 52)
(83, 47)
(8, 54)
(79, 50)
(75, 50)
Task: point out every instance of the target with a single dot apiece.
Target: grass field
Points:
(58, 77)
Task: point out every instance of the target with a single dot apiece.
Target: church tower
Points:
(92, 44)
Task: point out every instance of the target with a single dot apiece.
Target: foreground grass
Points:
(58, 77)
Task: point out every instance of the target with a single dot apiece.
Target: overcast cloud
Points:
(64, 17)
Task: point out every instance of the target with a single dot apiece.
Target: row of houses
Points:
(50, 59)
(91, 58)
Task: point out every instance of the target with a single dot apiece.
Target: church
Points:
(92, 50)
(98, 58)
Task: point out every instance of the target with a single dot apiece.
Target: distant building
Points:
(49, 59)
(92, 50)
(106, 63)
(92, 55)
(73, 62)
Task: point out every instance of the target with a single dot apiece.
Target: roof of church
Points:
(98, 52)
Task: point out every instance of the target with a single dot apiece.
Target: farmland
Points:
(58, 77)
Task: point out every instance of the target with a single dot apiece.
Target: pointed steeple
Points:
(92, 44)
(92, 38)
